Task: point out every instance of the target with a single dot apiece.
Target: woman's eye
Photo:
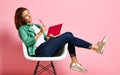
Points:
(28, 12)
(26, 15)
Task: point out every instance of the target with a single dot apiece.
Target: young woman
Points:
(34, 37)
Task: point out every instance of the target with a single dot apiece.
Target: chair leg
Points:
(44, 68)
(53, 68)
(37, 65)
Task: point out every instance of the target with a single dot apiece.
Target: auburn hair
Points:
(18, 17)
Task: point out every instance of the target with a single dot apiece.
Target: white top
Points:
(41, 39)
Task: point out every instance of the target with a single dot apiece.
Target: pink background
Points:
(87, 19)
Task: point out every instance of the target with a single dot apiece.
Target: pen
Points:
(41, 22)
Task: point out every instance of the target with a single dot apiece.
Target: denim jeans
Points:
(50, 47)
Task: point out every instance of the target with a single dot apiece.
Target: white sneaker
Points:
(101, 46)
(77, 67)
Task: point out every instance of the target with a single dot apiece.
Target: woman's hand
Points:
(50, 36)
(43, 29)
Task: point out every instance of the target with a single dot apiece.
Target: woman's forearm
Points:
(37, 35)
(43, 28)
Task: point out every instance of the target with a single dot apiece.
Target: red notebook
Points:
(54, 30)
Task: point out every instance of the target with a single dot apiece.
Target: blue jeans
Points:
(50, 47)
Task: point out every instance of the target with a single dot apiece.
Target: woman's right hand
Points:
(43, 29)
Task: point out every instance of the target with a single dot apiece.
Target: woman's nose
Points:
(29, 16)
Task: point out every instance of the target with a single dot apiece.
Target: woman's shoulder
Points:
(23, 27)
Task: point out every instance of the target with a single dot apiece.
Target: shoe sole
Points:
(84, 71)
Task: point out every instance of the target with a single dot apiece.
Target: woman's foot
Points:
(77, 67)
(101, 46)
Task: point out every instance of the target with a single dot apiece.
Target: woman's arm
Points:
(43, 29)
(28, 40)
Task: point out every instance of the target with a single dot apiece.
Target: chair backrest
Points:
(54, 58)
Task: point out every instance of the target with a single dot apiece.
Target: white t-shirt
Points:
(41, 39)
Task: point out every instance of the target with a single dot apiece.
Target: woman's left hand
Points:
(51, 36)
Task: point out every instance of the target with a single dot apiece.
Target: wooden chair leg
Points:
(53, 68)
(44, 68)
(37, 65)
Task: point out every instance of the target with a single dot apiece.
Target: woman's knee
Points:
(69, 33)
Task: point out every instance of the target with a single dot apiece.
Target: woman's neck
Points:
(30, 23)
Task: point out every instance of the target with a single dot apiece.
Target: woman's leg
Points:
(51, 46)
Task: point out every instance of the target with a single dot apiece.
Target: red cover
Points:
(54, 30)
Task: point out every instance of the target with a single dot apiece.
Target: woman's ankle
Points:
(74, 60)
(94, 47)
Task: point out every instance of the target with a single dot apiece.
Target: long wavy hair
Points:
(18, 17)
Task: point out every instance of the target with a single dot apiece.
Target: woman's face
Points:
(27, 18)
